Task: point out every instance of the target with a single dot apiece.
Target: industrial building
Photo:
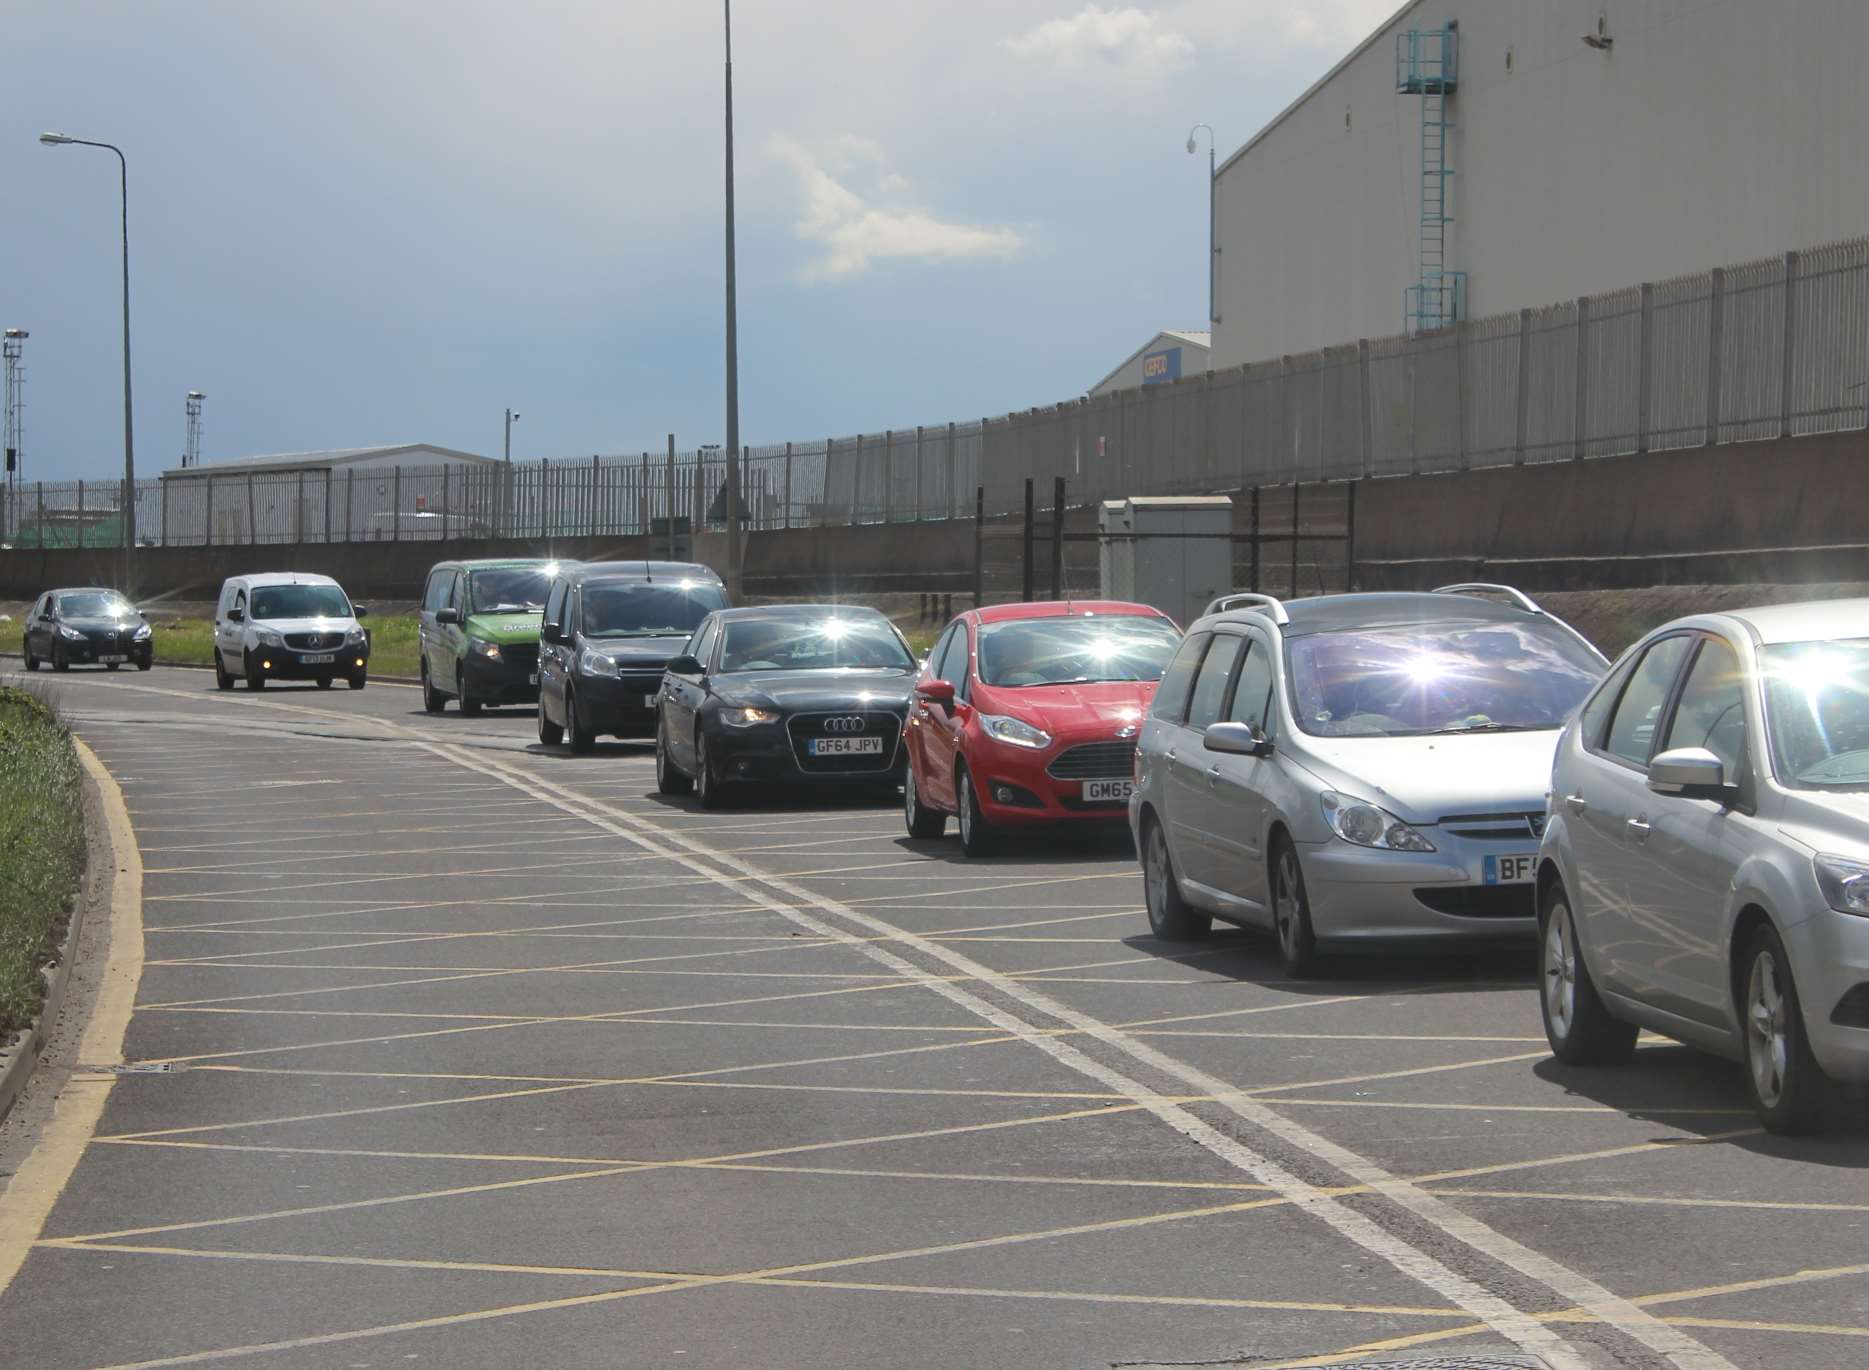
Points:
(1168, 356)
(1473, 158)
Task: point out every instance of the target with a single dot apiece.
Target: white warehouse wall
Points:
(1713, 131)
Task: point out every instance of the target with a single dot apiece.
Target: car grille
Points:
(314, 642)
(1481, 901)
(521, 656)
(1517, 826)
(1094, 761)
(804, 727)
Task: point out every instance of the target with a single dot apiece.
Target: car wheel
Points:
(1291, 913)
(550, 733)
(59, 661)
(1786, 1082)
(324, 682)
(1580, 1030)
(223, 678)
(978, 837)
(583, 740)
(32, 662)
(433, 700)
(669, 778)
(923, 822)
(707, 785)
(357, 680)
(1171, 917)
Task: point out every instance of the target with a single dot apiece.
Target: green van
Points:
(480, 632)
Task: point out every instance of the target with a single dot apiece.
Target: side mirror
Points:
(360, 611)
(236, 615)
(447, 615)
(1236, 739)
(936, 691)
(1690, 773)
(548, 631)
(683, 665)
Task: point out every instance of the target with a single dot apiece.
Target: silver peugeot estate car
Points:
(1705, 873)
(1354, 769)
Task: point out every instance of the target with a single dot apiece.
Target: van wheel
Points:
(1291, 913)
(223, 678)
(1786, 1082)
(466, 703)
(1580, 1030)
(357, 680)
(550, 733)
(583, 740)
(433, 700)
(324, 682)
(668, 778)
(1171, 917)
(256, 680)
(923, 822)
(113, 665)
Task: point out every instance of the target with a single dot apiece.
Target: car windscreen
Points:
(512, 590)
(298, 601)
(1069, 651)
(636, 608)
(812, 644)
(95, 605)
(1438, 677)
(1817, 712)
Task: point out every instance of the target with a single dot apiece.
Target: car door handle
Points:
(1213, 776)
(1640, 827)
(1576, 803)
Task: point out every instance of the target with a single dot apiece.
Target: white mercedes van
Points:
(288, 625)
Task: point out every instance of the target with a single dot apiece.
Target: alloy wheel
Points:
(1560, 970)
(1285, 901)
(967, 817)
(1767, 1041)
(1155, 874)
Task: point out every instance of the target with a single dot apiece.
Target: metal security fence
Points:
(1765, 349)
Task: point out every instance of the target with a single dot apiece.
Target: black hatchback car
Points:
(608, 631)
(86, 626)
(798, 692)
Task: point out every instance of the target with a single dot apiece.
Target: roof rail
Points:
(1512, 592)
(1274, 608)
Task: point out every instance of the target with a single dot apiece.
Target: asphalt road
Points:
(486, 1056)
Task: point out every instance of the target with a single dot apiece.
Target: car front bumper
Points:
(1017, 787)
(90, 652)
(1830, 963)
(1370, 895)
(767, 753)
(288, 663)
(502, 680)
(617, 706)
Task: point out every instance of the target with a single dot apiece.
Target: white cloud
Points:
(856, 231)
(1126, 37)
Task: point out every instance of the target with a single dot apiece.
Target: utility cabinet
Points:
(1172, 552)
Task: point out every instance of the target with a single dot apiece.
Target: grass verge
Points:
(41, 848)
(394, 643)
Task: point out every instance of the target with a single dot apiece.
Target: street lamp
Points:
(506, 486)
(1213, 241)
(191, 447)
(733, 347)
(129, 440)
(15, 346)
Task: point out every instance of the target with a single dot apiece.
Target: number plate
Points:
(318, 658)
(1510, 870)
(1096, 791)
(112, 660)
(843, 746)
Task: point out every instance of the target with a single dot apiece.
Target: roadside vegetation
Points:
(393, 642)
(41, 849)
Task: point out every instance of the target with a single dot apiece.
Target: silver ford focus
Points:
(1705, 873)
(1356, 769)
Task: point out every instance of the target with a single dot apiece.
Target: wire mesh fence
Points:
(1764, 349)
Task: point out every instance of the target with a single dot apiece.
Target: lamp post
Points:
(506, 475)
(9, 513)
(1213, 241)
(191, 408)
(129, 439)
(733, 346)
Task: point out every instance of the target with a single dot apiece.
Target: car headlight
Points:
(1365, 825)
(1845, 883)
(354, 637)
(141, 634)
(596, 663)
(1015, 731)
(266, 637)
(66, 630)
(746, 715)
(479, 646)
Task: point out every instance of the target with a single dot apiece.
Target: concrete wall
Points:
(1713, 131)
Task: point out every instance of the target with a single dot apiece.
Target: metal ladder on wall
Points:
(1427, 65)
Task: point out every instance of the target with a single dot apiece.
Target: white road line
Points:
(1521, 1328)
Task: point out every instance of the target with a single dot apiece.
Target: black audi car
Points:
(608, 631)
(84, 626)
(791, 693)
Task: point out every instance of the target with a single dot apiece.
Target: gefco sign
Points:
(1158, 367)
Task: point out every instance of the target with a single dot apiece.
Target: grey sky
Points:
(363, 222)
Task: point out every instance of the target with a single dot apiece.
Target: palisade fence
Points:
(1766, 349)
